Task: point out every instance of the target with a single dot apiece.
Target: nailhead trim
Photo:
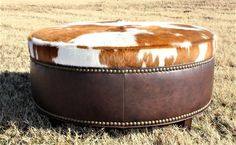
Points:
(135, 70)
(134, 123)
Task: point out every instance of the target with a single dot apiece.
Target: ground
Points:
(20, 123)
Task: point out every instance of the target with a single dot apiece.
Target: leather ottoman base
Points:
(122, 98)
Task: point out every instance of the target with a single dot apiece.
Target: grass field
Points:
(20, 123)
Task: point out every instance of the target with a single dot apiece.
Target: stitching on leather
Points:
(134, 70)
(133, 123)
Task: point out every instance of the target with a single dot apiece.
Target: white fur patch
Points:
(118, 39)
(36, 54)
(202, 51)
(78, 57)
(185, 44)
(204, 36)
(178, 34)
(69, 54)
(31, 50)
(162, 53)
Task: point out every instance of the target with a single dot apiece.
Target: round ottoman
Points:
(122, 74)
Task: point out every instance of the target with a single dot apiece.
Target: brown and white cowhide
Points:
(122, 44)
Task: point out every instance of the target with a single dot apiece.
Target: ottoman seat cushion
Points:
(121, 44)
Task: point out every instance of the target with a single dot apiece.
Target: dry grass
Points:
(19, 120)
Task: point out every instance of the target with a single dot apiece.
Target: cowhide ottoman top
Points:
(122, 74)
(121, 44)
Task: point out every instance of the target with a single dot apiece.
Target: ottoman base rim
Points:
(123, 70)
(135, 124)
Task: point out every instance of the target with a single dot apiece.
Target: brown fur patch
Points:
(120, 58)
(45, 53)
(66, 34)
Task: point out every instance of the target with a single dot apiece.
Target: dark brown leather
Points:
(124, 97)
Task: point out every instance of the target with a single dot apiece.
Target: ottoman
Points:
(122, 74)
